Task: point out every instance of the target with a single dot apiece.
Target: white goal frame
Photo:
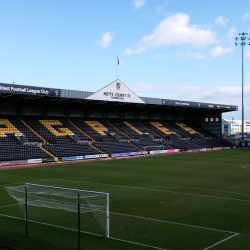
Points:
(21, 194)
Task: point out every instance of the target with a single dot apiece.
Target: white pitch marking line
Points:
(176, 223)
(136, 243)
(131, 242)
(221, 241)
(9, 205)
(157, 190)
(164, 221)
(207, 189)
(98, 235)
(21, 182)
(243, 166)
(12, 217)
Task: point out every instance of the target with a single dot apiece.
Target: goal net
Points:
(70, 200)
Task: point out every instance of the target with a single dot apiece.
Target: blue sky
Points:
(167, 48)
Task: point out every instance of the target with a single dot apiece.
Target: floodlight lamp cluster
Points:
(242, 38)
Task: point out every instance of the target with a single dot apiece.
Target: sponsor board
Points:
(96, 156)
(171, 151)
(226, 148)
(32, 161)
(73, 158)
(209, 149)
(48, 160)
(193, 151)
(133, 153)
(217, 148)
(120, 154)
(138, 153)
(28, 90)
(197, 104)
(9, 163)
(203, 149)
(157, 152)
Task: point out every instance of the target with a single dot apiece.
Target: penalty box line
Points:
(175, 223)
(112, 238)
(152, 219)
(117, 239)
(221, 241)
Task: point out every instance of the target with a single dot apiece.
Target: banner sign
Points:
(209, 149)
(28, 90)
(157, 152)
(193, 151)
(171, 151)
(197, 105)
(32, 161)
(120, 154)
(133, 153)
(96, 156)
(203, 149)
(226, 148)
(217, 148)
(73, 158)
(9, 163)
(138, 153)
(48, 160)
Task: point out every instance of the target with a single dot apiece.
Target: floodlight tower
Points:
(242, 43)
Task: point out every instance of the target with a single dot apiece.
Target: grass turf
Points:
(175, 202)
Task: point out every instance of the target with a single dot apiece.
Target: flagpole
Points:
(117, 67)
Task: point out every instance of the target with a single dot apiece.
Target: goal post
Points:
(71, 200)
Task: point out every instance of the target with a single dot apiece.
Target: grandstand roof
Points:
(115, 94)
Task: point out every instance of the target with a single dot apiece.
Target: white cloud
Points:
(138, 3)
(247, 53)
(160, 7)
(106, 39)
(176, 30)
(188, 54)
(231, 33)
(220, 20)
(246, 16)
(163, 56)
(247, 76)
(191, 92)
(219, 50)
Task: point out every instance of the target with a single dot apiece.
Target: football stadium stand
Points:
(54, 124)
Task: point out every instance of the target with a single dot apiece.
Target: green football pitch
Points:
(175, 202)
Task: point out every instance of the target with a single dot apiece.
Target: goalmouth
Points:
(71, 200)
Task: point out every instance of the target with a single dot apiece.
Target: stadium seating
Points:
(140, 136)
(19, 152)
(62, 136)
(34, 137)
(108, 138)
(13, 135)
